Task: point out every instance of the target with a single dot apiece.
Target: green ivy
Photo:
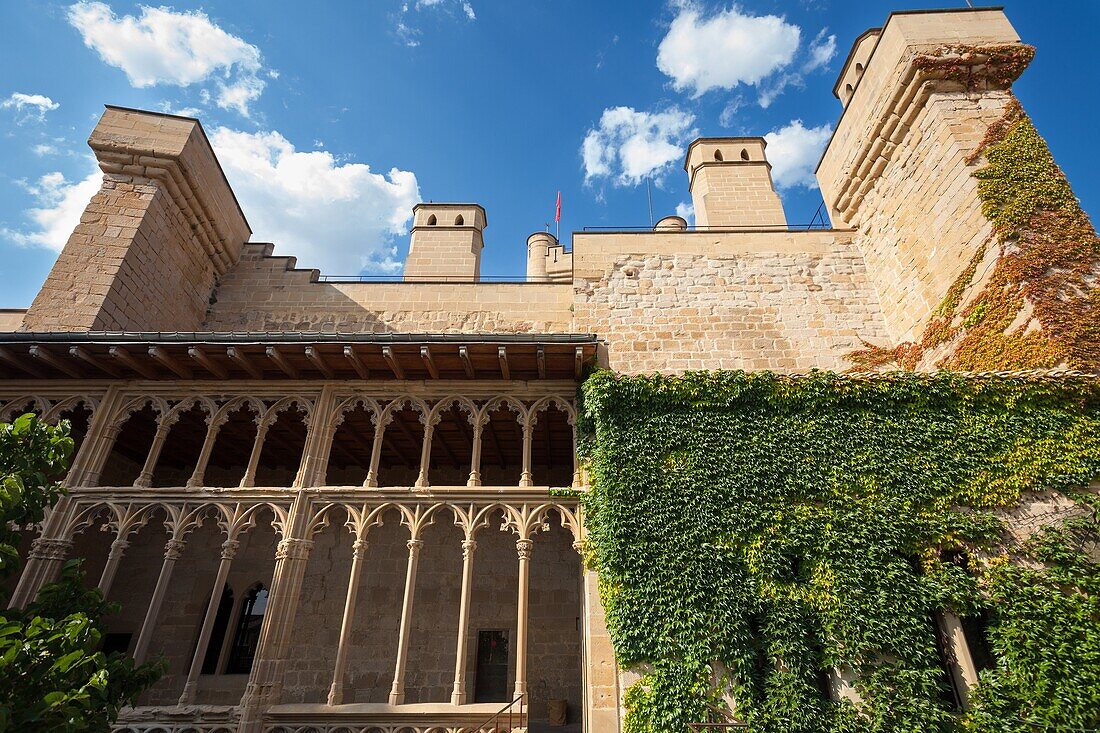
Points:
(752, 530)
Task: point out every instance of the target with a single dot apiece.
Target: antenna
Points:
(649, 196)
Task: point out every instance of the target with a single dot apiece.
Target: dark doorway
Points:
(492, 666)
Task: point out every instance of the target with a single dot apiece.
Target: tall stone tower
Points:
(731, 183)
(446, 242)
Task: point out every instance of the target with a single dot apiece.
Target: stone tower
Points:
(446, 242)
(731, 183)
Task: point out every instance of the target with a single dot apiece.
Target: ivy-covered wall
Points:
(752, 531)
(1029, 297)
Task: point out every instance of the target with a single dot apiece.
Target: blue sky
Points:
(333, 119)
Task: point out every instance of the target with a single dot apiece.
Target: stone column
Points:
(198, 476)
(336, 690)
(375, 454)
(172, 551)
(397, 691)
(475, 454)
(229, 551)
(114, 557)
(145, 478)
(45, 559)
(526, 479)
(107, 442)
(458, 694)
(425, 454)
(577, 482)
(249, 478)
(523, 549)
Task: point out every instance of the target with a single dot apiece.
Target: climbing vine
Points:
(1039, 306)
(753, 532)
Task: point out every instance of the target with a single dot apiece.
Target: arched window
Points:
(459, 221)
(848, 89)
(718, 155)
(431, 220)
(744, 154)
(859, 68)
(247, 635)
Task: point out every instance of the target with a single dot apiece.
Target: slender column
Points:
(145, 478)
(336, 690)
(458, 694)
(110, 435)
(172, 551)
(523, 549)
(254, 459)
(475, 455)
(375, 456)
(397, 692)
(114, 557)
(425, 455)
(45, 558)
(526, 479)
(198, 476)
(229, 550)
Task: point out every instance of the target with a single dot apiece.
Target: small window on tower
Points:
(859, 68)
(744, 154)
(459, 221)
(431, 220)
(718, 155)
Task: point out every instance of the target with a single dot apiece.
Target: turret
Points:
(731, 183)
(446, 242)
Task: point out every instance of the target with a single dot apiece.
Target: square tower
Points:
(446, 242)
(731, 186)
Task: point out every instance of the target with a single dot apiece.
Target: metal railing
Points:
(508, 712)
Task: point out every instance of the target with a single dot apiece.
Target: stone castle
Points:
(329, 503)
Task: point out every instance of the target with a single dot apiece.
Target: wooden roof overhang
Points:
(390, 356)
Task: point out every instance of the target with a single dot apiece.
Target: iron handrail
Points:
(510, 709)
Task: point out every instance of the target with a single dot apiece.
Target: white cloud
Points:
(407, 28)
(724, 50)
(628, 145)
(60, 204)
(686, 211)
(822, 50)
(794, 151)
(729, 112)
(45, 149)
(162, 46)
(29, 106)
(341, 218)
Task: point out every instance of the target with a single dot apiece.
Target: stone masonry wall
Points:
(262, 294)
(788, 301)
(922, 222)
(126, 266)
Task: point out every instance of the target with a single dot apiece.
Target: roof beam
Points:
(318, 361)
(207, 363)
(464, 354)
(356, 362)
(502, 356)
(124, 357)
(9, 358)
(91, 359)
(280, 361)
(391, 359)
(48, 357)
(165, 358)
(241, 359)
(429, 362)
(540, 357)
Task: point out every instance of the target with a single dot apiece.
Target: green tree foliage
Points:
(752, 532)
(52, 675)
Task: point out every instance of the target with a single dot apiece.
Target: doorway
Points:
(491, 682)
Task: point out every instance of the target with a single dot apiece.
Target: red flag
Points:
(557, 211)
